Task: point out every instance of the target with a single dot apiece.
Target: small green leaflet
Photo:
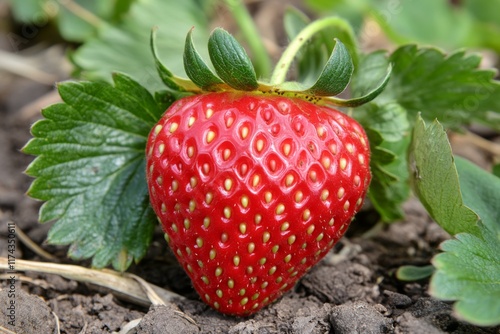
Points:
(450, 88)
(367, 74)
(469, 269)
(435, 179)
(90, 170)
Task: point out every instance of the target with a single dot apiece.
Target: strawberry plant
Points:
(254, 178)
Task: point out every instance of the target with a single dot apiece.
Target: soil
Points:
(352, 290)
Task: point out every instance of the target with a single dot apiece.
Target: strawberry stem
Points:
(283, 65)
(261, 59)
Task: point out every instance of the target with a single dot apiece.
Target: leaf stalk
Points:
(283, 65)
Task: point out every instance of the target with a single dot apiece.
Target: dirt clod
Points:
(27, 314)
(166, 319)
(397, 300)
(359, 317)
(340, 283)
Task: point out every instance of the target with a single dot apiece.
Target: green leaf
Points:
(336, 73)
(250, 33)
(480, 192)
(469, 268)
(414, 273)
(387, 128)
(382, 156)
(367, 74)
(230, 61)
(469, 271)
(435, 179)
(124, 46)
(90, 170)
(389, 120)
(390, 186)
(450, 88)
(196, 68)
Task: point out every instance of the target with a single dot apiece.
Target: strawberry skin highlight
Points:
(253, 190)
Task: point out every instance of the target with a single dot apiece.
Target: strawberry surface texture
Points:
(252, 190)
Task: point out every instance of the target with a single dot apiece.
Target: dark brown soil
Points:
(353, 290)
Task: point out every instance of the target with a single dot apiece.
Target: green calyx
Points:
(234, 69)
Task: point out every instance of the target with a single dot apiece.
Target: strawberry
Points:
(252, 183)
(253, 190)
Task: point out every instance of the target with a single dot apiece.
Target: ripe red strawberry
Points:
(252, 190)
(251, 185)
